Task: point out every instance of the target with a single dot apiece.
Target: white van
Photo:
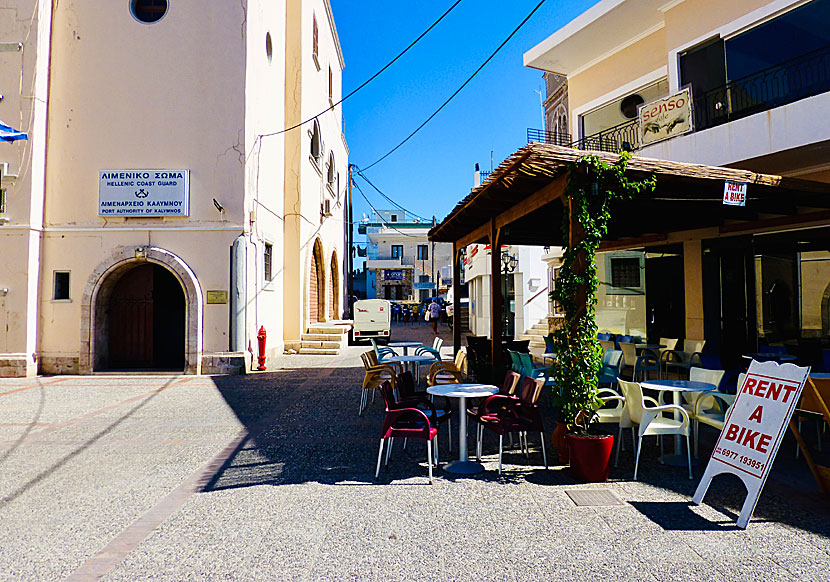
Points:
(372, 319)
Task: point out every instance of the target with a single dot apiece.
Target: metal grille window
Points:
(2, 200)
(625, 272)
(397, 251)
(423, 252)
(268, 258)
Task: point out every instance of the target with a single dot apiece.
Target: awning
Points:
(524, 196)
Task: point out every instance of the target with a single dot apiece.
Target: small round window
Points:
(148, 11)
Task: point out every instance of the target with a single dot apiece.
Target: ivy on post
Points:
(592, 185)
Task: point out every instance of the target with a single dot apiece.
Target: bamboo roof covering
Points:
(687, 196)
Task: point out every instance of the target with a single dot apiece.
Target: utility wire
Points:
(383, 220)
(373, 77)
(457, 91)
(359, 173)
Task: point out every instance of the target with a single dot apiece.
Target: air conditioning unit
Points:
(326, 207)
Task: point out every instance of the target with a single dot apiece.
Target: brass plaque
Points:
(217, 297)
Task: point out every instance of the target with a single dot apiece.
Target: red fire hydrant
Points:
(261, 341)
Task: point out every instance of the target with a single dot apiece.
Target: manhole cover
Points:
(594, 497)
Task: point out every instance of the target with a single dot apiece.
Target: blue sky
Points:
(434, 170)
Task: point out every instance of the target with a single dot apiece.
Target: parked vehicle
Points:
(372, 319)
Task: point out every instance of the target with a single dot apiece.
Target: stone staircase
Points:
(536, 334)
(325, 339)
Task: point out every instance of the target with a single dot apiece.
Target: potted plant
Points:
(591, 186)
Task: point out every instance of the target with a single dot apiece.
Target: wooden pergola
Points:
(521, 203)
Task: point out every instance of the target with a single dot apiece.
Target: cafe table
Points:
(463, 466)
(405, 346)
(771, 357)
(408, 361)
(676, 387)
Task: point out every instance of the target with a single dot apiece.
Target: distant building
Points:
(158, 216)
(401, 263)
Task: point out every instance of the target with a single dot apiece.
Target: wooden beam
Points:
(773, 224)
(534, 202)
(496, 314)
(482, 232)
(456, 298)
(632, 243)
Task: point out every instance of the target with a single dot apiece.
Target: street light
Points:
(508, 265)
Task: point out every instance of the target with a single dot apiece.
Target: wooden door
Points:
(313, 291)
(130, 330)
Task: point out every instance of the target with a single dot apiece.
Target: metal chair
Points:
(376, 374)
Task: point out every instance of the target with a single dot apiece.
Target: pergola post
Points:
(496, 299)
(456, 297)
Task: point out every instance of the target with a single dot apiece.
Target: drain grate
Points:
(594, 497)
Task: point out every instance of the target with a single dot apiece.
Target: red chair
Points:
(405, 421)
(504, 414)
(405, 384)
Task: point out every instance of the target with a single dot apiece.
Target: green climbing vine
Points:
(591, 187)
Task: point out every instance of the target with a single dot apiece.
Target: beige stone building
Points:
(158, 215)
(755, 76)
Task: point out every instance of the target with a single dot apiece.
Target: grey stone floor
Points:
(270, 477)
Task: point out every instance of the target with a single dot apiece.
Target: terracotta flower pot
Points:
(560, 443)
(590, 456)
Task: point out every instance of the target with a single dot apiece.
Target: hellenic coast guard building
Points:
(158, 215)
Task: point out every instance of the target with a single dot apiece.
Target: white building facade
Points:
(158, 217)
(401, 261)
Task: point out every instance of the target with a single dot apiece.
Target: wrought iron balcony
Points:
(782, 84)
(785, 83)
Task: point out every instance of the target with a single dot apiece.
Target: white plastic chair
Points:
(683, 360)
(652, 422)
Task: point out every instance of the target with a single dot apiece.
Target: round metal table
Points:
(676, 387)
(407, 362)
(463, 466)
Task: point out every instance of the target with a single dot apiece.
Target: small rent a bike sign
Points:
(753, 429)
(734, 193)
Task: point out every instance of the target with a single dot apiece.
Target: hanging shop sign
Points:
(144, 192)
(665, 118)
(734, 193)
(429, 285)
(393, 275)
(753, 429)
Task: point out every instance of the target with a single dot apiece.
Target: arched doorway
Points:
(334, 289)
(144, 323)
(317, 286)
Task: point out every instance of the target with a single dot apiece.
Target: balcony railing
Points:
(782, 84)
(614, 139)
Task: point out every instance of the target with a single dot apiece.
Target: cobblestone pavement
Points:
(270, 477)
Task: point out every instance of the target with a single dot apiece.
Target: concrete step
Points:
(318, 352)
(322, 328)
(320, 345)
(322, 337)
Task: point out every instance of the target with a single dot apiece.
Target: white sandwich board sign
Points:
(753, 429)
(144, 192)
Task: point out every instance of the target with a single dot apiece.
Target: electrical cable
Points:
(383, 220)
(373, 77)
(457, 91)
(359, 173)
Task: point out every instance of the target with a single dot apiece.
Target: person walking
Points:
(434, 316)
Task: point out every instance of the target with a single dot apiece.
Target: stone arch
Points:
(101, 283)
(317, 285)
(334, 287)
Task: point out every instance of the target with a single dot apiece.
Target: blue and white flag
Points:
(8, 133)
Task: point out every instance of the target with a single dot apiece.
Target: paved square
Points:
(270, 477)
